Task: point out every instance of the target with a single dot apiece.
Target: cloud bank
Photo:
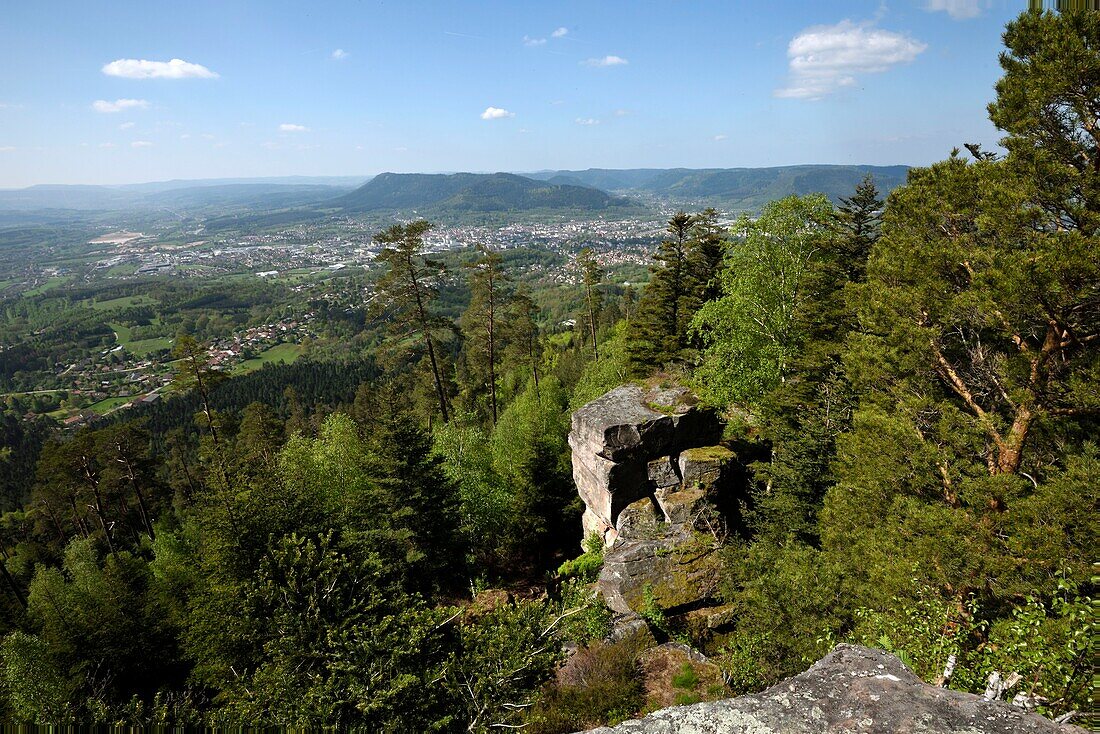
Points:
(107, 107)
(290, 127)
(609, 60)
(957, 9)
(142, 69)
(824, 59)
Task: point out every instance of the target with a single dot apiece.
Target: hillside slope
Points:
(745, 189)
(471, 192)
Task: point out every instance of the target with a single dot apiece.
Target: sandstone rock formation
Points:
(851, 690)
(647, 467)
(629, 443)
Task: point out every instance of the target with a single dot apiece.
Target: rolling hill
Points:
(258, 193)
(472, 192)
(745, 189)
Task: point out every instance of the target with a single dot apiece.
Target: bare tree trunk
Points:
(426, 327)
(592, 322)
(142, 510)
(97, 506)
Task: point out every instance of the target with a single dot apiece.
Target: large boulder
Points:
(852, 690)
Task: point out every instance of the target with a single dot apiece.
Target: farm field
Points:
(285, 353)
(139, 347)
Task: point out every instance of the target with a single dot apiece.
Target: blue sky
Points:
(89, 92)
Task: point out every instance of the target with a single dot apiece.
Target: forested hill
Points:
(472, 192)
(743, 189)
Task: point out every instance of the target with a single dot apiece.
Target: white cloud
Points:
(587, 121)
(208, 136)
(720, 137)
(126, 125)
(496, 113)
(6, 148)
(826, 58)
(142, 69)
(141, 144)
(528, 41)
(609, 60)
(339, 54)
(185, 136)
(957, 9)
(561, 32)
(107, 145)
(290, 127)
(622, 113)
(102, 105)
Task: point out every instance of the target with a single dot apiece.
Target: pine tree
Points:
(591, 279)
(522, 345)
(407, 290)
(482, 321)
(660, 326)
(194, 373)
(858, 217)
(1046, 105)
(706, 249)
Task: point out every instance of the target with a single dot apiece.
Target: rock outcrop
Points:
(851, 690)
(629, 443)
(647, 466)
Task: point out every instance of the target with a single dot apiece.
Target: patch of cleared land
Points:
(116, 238)
(122, 302)
(139, 347)
(108, 404)
(285, 353)
(50, 284)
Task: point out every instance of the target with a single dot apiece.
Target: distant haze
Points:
(203, 90)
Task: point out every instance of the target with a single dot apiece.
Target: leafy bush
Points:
(593, 622)
(651, 610)
(1046, 640)
(585, 567)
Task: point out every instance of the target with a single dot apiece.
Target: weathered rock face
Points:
(646, 466)
(678, 572)
(851, 690)
(627, 444)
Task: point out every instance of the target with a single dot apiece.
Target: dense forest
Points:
(912, 387)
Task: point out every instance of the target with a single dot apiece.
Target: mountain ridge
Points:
(472, 192)
(746, 189)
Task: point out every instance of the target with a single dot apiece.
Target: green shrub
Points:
(601, 685)
(593, 622)
(651, 610)
(585, 567)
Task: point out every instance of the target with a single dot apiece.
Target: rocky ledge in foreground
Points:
(851, 690)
